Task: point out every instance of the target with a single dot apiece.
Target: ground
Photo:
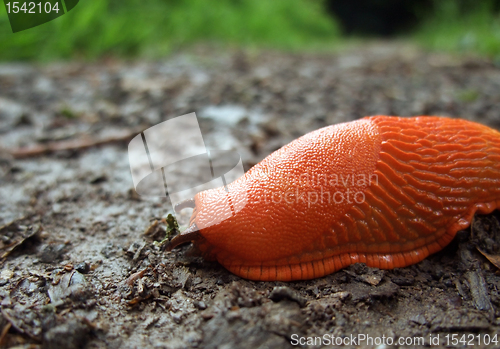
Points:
(80, 268)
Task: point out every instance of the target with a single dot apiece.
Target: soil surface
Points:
(80, 267)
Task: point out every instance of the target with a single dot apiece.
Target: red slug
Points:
(385, 191)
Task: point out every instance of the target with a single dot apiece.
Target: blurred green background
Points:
(154, 28)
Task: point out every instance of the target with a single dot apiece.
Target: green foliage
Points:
(134, 28)
(128, 28)
(468, 95)
(463, 26)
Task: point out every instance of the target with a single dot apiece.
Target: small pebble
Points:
(284, 292)
(82, 267)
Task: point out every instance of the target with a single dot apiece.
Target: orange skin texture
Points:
(385, 191)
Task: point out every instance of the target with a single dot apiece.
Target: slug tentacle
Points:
(191, 234)
(200, 247)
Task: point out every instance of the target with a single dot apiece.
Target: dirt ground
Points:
(78, 270)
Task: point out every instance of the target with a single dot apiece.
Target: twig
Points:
(3, 336)
(18, 328)
(78, 144)
(25, 236)
(131, 279)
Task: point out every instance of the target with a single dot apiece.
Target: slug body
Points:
(385, 191)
